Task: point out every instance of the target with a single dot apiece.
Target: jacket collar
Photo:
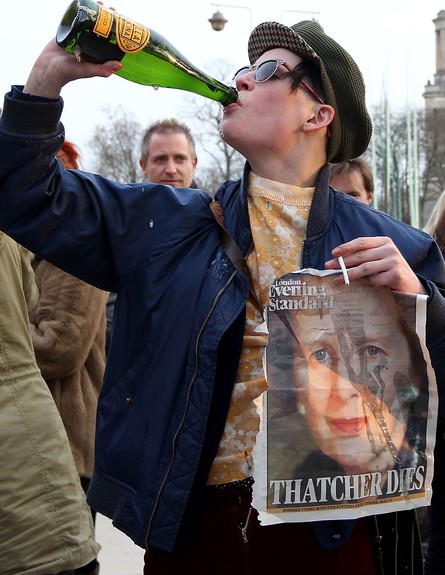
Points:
(319, 212)
(233, 198)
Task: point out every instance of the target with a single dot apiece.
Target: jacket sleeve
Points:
(435, 340)
(62, 216)
(95, 229)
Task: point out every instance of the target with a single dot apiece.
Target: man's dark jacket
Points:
(180, 311)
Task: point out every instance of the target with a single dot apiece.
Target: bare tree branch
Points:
(115, 146)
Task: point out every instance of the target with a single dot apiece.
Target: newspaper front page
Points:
(349, 418)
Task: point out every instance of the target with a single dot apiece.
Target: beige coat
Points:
(45, 523)
(68, 328)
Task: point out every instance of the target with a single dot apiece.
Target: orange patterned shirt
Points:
(278, 219)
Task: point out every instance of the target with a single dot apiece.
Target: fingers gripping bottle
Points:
(97, 34)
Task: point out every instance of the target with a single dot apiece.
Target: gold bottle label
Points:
(104, 22)
(131, 37)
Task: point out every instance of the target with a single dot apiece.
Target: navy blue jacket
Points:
(180, 311)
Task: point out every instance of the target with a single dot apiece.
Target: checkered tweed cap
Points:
(342, 81)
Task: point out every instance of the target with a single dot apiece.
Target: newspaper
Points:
(349, 418)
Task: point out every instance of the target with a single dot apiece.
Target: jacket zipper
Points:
(303, 245)
(244, 528)
(222, 290)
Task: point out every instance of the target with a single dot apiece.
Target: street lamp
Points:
(218, 21)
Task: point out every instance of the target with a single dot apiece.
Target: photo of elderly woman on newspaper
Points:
(349, 367)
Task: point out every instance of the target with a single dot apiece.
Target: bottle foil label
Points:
(131, 37)
(104, 22)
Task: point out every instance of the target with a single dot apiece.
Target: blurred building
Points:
(433, 168)
(435, 93)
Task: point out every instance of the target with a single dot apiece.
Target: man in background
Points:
(168, 154)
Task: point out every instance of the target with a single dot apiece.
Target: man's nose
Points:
(171, 167)
(245, 82)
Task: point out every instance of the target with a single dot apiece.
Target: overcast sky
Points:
(392, 41)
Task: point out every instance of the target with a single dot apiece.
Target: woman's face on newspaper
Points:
(350, 363)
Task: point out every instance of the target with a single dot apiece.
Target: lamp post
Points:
(300, 12)
(217, 21)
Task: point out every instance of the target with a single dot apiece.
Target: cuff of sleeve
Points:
(435, 315)
(30, 115)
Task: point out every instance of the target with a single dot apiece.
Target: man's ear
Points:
(322, 116)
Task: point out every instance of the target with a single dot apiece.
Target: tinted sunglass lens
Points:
(263, 72)
(241, 72)
(266, 70)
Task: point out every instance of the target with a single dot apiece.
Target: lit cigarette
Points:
(344, 270)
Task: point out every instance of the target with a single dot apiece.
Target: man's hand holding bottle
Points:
(55, 67)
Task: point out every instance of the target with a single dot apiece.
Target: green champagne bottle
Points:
(97, 34)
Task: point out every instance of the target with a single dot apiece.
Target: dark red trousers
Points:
(221, 548)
